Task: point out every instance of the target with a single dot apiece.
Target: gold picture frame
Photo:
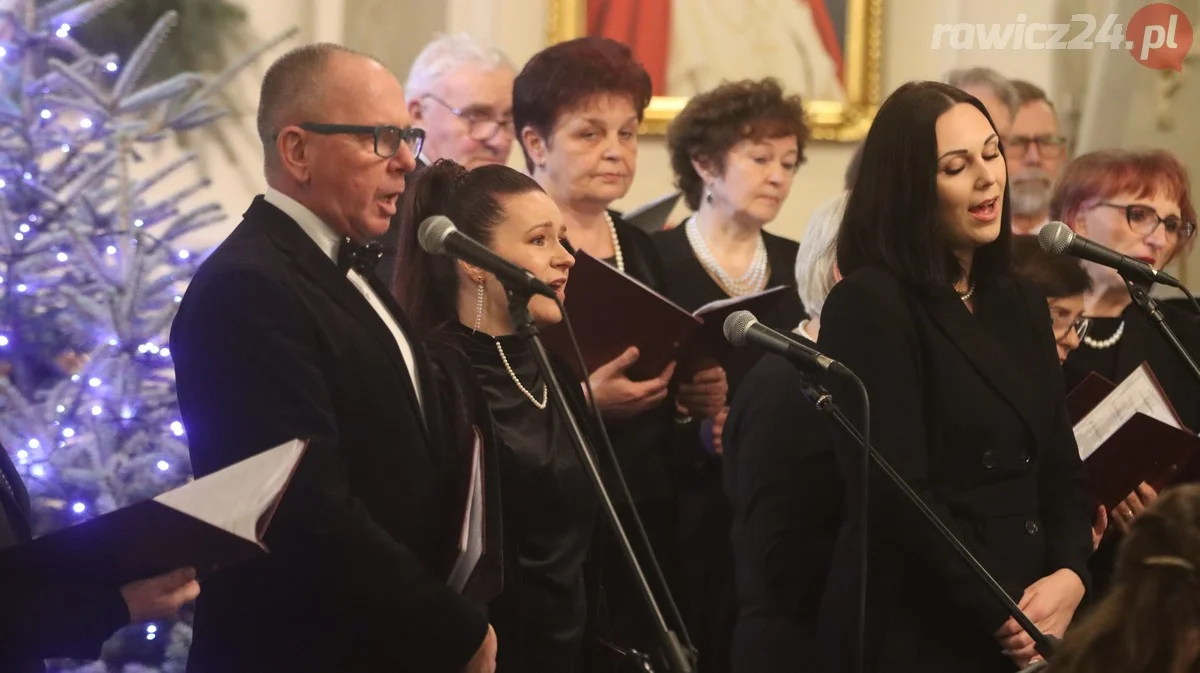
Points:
(829, 120)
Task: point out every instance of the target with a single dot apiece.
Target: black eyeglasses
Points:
(1063, 325)
(387, 138)
(1143, 220)
(1048, 145)
(481, 125)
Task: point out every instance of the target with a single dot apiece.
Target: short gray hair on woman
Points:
(446, 54)
(986, 77)
(817, 257)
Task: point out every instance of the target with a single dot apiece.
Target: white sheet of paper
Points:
(235, 498)
(470, 541)
(1137, 393)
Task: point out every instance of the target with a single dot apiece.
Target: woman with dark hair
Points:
(577, 106)
(496, 389)
(1139, 204)
(967, 404)
(735, 151)
(1150, 620)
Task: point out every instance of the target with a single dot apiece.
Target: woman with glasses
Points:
(1137, 203)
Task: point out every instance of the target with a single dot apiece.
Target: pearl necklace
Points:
(513, 375)
(967, 295)
(618, 257)
(1111, 341)
(752, 281)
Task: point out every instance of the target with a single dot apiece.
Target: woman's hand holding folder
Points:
(617, 396)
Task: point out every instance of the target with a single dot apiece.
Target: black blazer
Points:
(970, 410)
(272, 343)
(47, 621)
(783, 483)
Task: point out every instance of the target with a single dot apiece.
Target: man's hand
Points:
(704, 396)
(160, 597)
(619, 397)
(484, 660)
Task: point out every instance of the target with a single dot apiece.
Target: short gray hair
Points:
(986, 77)
(446, 54)
(817, 257)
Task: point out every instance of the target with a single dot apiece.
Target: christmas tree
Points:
(92, 265)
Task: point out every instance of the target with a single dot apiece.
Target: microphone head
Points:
(1055, 237)
(736, 326)
(433, 232)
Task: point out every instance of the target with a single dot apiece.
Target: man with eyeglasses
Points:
(1036, 150)
(284, 333)
(460, 92)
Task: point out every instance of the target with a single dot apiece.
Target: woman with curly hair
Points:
(735, 151)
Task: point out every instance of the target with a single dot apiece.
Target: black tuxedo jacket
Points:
(47, 621)
(969, 408)
(272, 343)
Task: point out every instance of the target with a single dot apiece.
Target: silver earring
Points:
(479, 292)
(708, 194)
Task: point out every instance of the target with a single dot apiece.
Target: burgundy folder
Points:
(213, 522)
(611, 311)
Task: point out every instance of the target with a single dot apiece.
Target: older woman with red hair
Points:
(1138, 203)
(577, 106)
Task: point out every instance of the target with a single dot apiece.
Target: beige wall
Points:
(1116, 99)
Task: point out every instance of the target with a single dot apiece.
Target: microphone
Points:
(1057, 238)
(438, 236)
(741, 328)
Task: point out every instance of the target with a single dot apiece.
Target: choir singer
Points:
(967, 404)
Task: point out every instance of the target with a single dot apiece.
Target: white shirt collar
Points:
(321, 234)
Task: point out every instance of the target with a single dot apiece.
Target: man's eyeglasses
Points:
(387, 138)
(1143, 220)
(1063, 324)
(1048, 145)
(481, 124)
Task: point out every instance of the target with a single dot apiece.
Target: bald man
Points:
(285, 332)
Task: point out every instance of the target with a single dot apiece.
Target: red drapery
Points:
(645, 25)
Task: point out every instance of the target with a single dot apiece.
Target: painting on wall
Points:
(825, 50)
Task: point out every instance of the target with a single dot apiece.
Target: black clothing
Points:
(969, 408)
(273, 343)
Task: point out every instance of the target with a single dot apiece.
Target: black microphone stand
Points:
(1149, 306)
(824, 401)
(518, 310)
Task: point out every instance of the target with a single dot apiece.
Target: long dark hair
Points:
(1152, 611)
(425, 285)
(892, 216)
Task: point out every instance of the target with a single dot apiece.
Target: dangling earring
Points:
(479, 292)
(708, 194)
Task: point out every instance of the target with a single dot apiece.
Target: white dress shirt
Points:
(328, 241)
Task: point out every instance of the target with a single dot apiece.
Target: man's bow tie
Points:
(363, 257)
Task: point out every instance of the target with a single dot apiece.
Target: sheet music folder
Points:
(1129, 433)
(612, 311)
(210, 523)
